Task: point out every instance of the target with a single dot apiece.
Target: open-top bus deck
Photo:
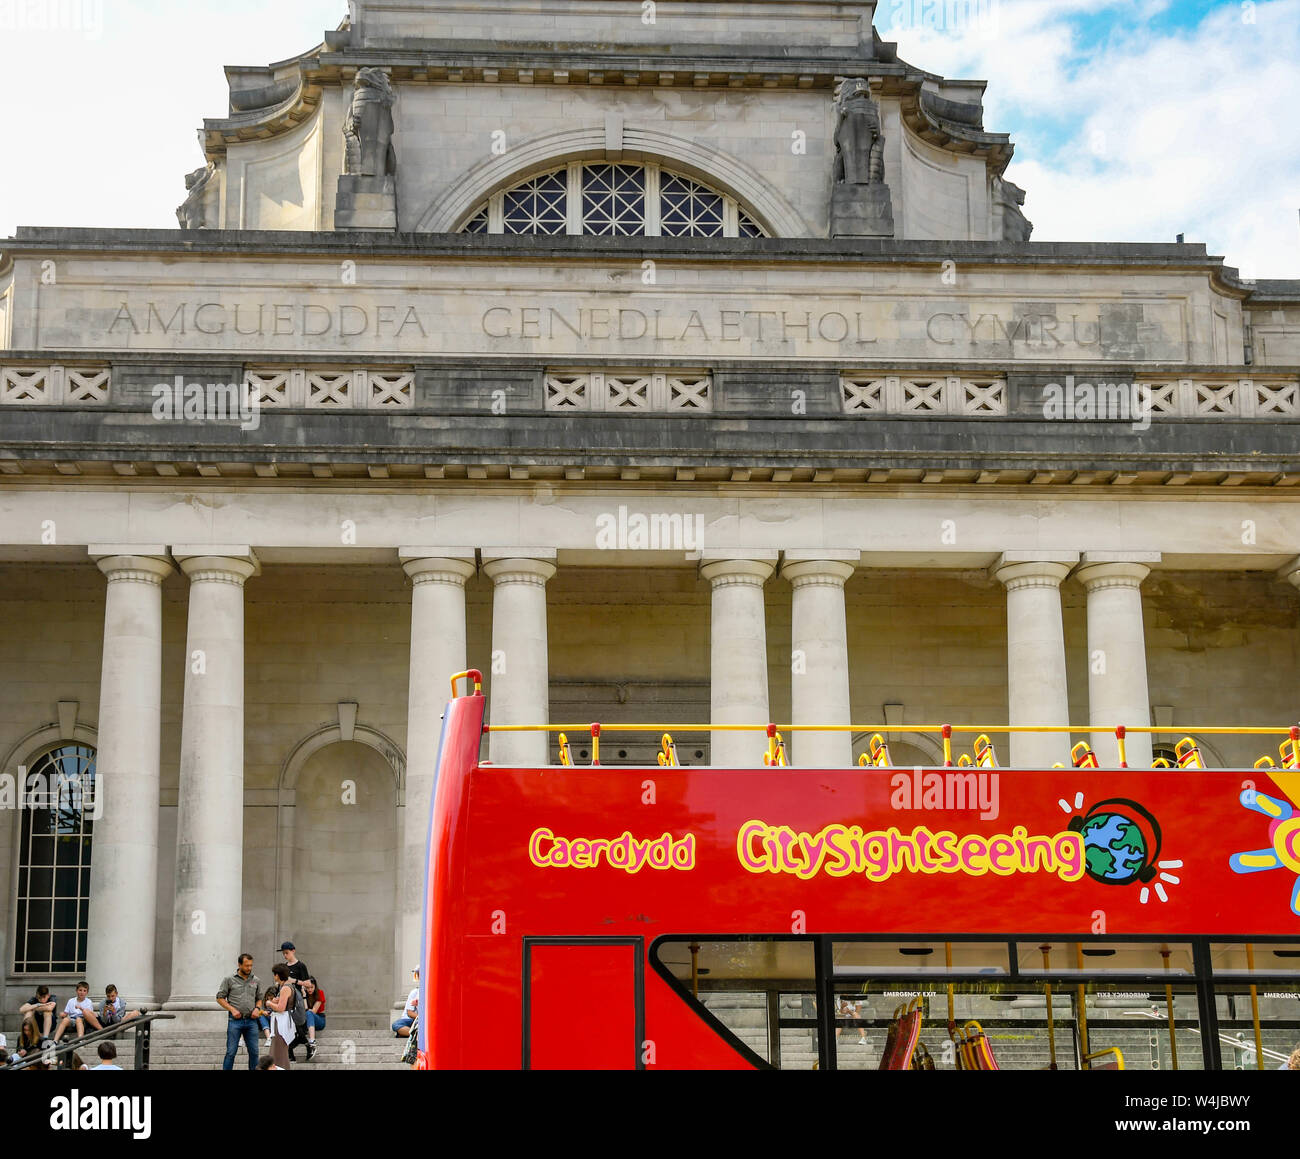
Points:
(966, 916)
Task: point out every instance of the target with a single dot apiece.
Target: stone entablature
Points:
(903, 528)
(684, 301)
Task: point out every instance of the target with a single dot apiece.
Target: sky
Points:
(1134, 120)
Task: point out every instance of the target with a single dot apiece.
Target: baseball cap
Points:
(287, 946)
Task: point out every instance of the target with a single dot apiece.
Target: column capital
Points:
(145, 565)
(519, 570)
(1098, 577)
(494, 554)
(437, 569)
(1150, 558)
(812, 572)
(460, 554)
(1291, 573)
(1047, 571)
(726, 571)
(217, 564)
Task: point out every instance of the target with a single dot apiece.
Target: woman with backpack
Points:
(281, 1010)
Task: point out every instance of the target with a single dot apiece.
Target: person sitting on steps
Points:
(402, 1027)
(314, 997)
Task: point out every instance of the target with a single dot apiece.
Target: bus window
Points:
(759, 993)
(907, 959)
(1012, 1015)
(1155, 1027)
(1062, 1012)
(1277, 1005)
(1257, 997)
(1089, 959)
(1255, 958)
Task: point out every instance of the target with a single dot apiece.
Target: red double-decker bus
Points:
(956, 917)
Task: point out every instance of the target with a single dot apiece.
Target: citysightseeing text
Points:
(843, 850)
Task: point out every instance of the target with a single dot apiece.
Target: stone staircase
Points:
(359, 1048)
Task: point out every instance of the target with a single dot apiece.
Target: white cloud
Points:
(101, 116)
(1196, 124)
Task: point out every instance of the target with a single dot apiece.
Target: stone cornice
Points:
(922, 115)
(127, 445)
(469, 62)
(475, 62)
(47, 241)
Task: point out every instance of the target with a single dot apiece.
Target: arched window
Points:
(58, 810)
(613, 200)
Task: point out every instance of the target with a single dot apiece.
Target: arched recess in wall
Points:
(899, 745)
(1164, 744)
(451, 208)
(286, 800)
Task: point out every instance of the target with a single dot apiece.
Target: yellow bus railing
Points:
(1187, 753)
(1114, 1053)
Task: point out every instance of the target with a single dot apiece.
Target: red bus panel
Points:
(584, 1004)
(547, 886)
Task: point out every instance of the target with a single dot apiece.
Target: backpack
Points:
(297, 1007)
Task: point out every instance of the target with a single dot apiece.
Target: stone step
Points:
(369, 1048)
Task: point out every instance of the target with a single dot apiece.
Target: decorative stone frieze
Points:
(54, 385)
(651, 392)
(339, 389)
(1238, 398)
(921, 394)
(873, 392)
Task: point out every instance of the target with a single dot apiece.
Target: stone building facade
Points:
(682, 361)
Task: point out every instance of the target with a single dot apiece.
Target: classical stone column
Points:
(738, 656)
(1036, 682)
(819, 682)
(124, 869)
(210, 816)
(437, 652)
(520, 664)
(1117, 654)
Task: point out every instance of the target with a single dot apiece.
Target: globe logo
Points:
(1114, 849)
(1121, 843)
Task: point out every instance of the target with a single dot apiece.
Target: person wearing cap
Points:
(298, 972)
(402, 1027)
